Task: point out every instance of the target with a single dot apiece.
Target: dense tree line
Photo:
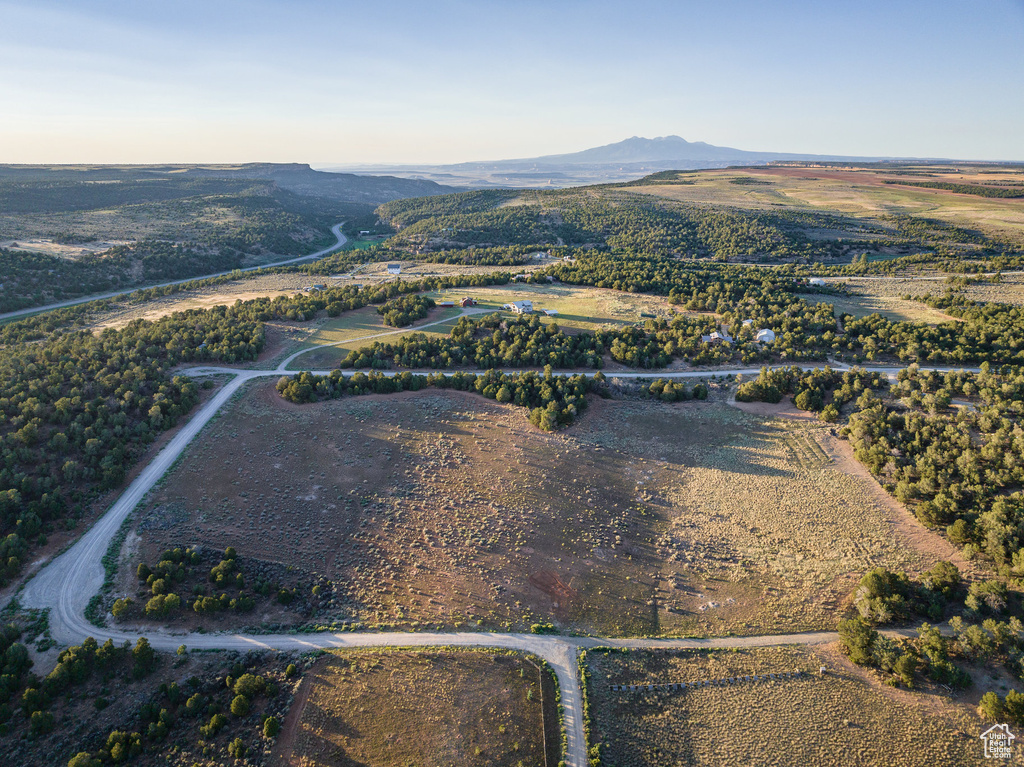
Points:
(78, 409)
(606, 218)
(884, 596)
(982, 634)
(960, 469)
(509, 255)
(554, 401)
(822, 391)
(405, 310)
(401, 213)
(490, 342)
(979, 190)
(985, 333)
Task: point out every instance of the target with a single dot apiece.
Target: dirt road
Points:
(69, 581)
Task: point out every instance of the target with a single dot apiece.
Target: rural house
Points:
(467, 301)
(394, 268)
(521, 307)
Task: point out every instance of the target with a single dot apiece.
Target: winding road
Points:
(66, 584)
(335, 230)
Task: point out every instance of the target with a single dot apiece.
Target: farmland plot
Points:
(446, 509)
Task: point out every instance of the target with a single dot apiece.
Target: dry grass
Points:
(888, 292)
(578, 308)
(379, 709)
(227, 293)
(858, 192)
(870, 299)
(359, 328)
(447, 509)
(840, 718)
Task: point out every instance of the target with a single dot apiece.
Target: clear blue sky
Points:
(399, 81)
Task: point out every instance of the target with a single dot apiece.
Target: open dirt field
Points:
(443, 508)
(445, 708)
(69, 251)
(840, 718)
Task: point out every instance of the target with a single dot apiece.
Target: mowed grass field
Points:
(448, 510)
(857, 192)
(362, 327)
(578, 308)
(431, 708)
(841, 718)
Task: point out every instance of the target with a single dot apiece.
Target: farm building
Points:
(394, 268)
(521, 278)
(467, 301)
(521, 307)
(445, 304)
(550, 312)
(765, 336)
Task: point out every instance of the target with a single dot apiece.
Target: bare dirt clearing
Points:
(379, 709)
(434, 508)
(835, 719)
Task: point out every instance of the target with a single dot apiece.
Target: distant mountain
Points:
(663, 150)
(621, 161)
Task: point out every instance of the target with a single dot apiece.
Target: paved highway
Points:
(336, 230)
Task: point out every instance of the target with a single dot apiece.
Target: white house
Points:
(765, 336)
(394, 268)
(817, 281)
(521, 307)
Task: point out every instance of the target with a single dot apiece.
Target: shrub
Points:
(217, 723)
(271, 727)
(237, 749)
(240, 706)
(857, 638)
(249, 685)
(122, 607)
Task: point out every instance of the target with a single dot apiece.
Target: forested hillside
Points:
(174, 228)
(612, 217)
